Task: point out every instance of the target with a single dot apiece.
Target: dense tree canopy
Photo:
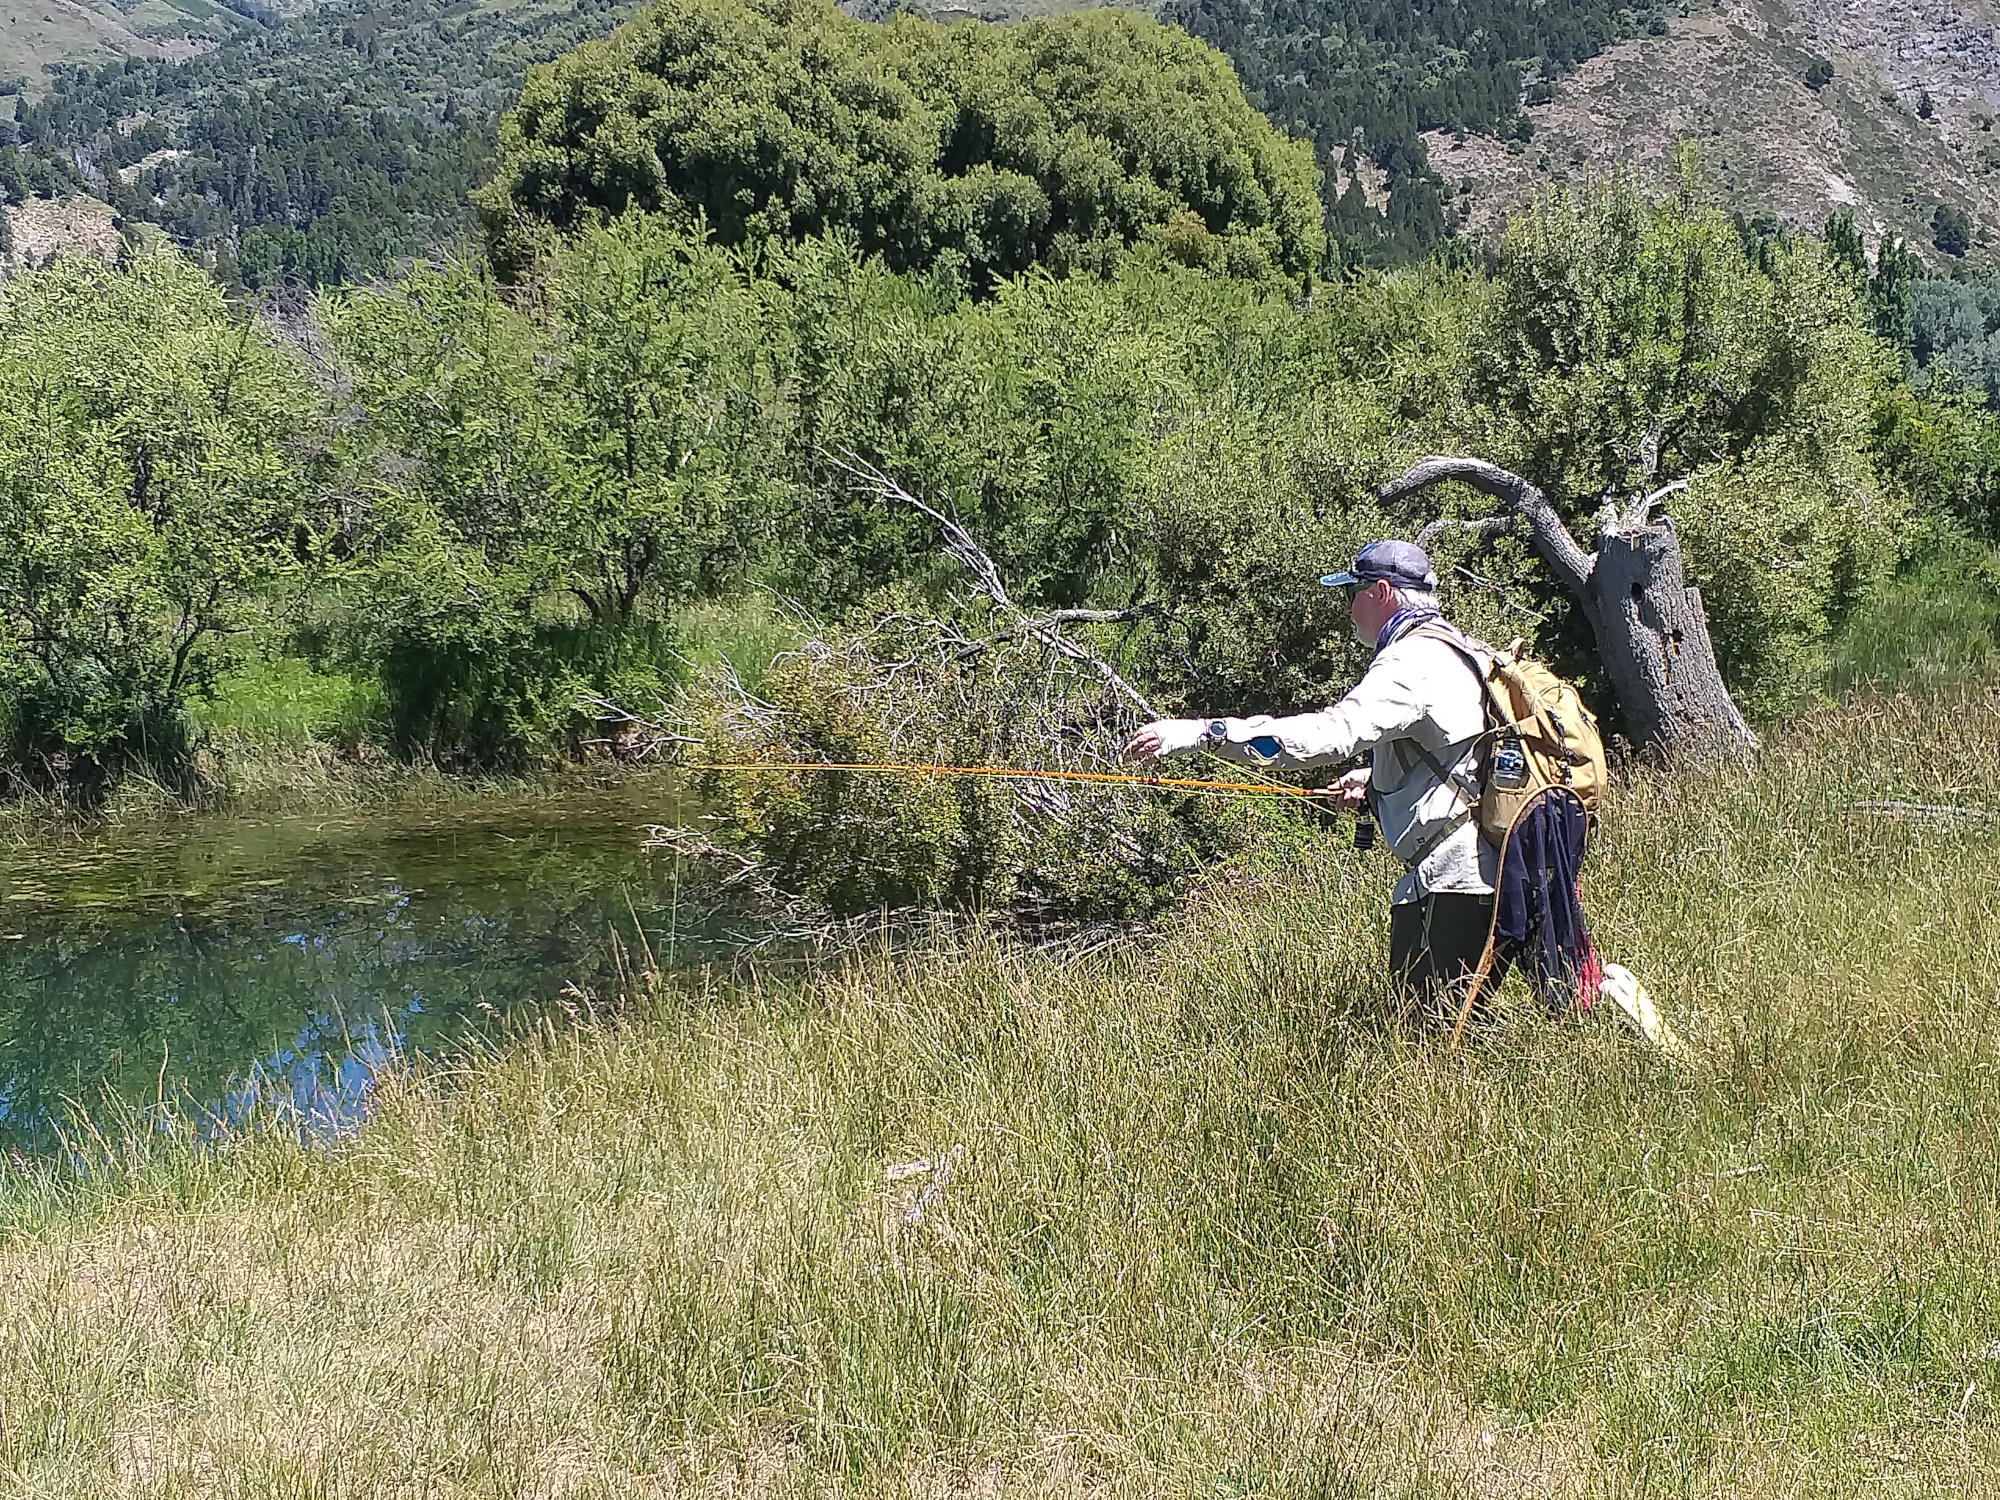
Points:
(981, 150)
(151, 482)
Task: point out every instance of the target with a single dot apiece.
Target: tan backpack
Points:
(1538, 735)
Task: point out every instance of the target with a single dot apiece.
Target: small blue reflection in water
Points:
(308, 1087)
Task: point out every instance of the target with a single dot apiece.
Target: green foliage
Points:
(1954, 328)
(902, 688)
(1844, 245)
(545, 489)
(1935, 625)
(525, 486)
(664, 370)
(1634, 343)
(1941, 449)
(151, 476)
(973, 149)
(285, 700)
(1888, 299)
(1951, 231)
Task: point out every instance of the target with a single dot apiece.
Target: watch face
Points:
(1218, 731)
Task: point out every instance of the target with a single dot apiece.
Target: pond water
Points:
(231, 963)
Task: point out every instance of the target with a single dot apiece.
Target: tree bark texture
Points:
(1652, 637)
(1650, 627)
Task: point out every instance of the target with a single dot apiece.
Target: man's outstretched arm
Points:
(1382, 706)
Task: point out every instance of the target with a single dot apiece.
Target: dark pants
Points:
(1435, 943)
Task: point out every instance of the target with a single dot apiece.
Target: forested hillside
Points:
(1360, 77)
(316, 149)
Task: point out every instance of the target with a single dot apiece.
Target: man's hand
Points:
(1165, 737)
(1350, 791)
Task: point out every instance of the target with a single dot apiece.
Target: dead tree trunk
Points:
(1651, 629)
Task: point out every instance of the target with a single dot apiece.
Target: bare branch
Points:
(633, 736)
(1507, 600)
(1920, 812)
(1085, 617)
(986, 573)
(1640, 515)
(1558, 549)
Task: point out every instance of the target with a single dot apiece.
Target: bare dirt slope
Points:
(42, 227)
(1730, 77)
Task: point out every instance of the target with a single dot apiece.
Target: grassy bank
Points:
(1211, 1226)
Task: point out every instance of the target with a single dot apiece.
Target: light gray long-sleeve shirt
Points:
(1418, 688)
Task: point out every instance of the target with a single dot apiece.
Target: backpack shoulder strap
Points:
(1467, 648)
(1470, 648)
(1450, 635)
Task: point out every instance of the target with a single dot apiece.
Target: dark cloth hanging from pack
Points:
(1538, 916)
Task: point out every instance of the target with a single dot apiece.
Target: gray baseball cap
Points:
(1404, 564)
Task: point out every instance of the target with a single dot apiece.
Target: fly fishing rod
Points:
(1015, 773)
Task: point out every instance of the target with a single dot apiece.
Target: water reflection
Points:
(318, 1086)
(239, 965)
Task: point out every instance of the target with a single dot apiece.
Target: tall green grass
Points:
(1934, 624)
(1213, 1225)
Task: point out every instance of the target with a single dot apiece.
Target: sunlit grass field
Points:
(1210, 1224)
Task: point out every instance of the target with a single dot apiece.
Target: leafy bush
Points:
(1954, 328)
(153, 457)
(542, 491)
(1951, 231)
(975, 149)
(1633, 343)
(900, 687)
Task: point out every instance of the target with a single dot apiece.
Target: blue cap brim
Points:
(1339, 580)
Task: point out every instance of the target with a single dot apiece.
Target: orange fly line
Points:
(1263, 788)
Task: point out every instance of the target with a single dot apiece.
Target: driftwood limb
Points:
(963, 548)
(1651, 628)
(634, 736)
(1921, 812)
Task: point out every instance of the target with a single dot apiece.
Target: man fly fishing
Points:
(1456, 923)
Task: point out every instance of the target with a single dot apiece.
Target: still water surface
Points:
(232, 962)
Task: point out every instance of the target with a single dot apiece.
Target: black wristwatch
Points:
(1217, 733)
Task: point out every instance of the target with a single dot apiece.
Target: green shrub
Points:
(977, 151)
(153, 464)
(900, 688)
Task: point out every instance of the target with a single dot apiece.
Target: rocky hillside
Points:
(1904, 125)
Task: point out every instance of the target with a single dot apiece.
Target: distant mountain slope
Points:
(1732, 77)
(316, 148)
(34, 33)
